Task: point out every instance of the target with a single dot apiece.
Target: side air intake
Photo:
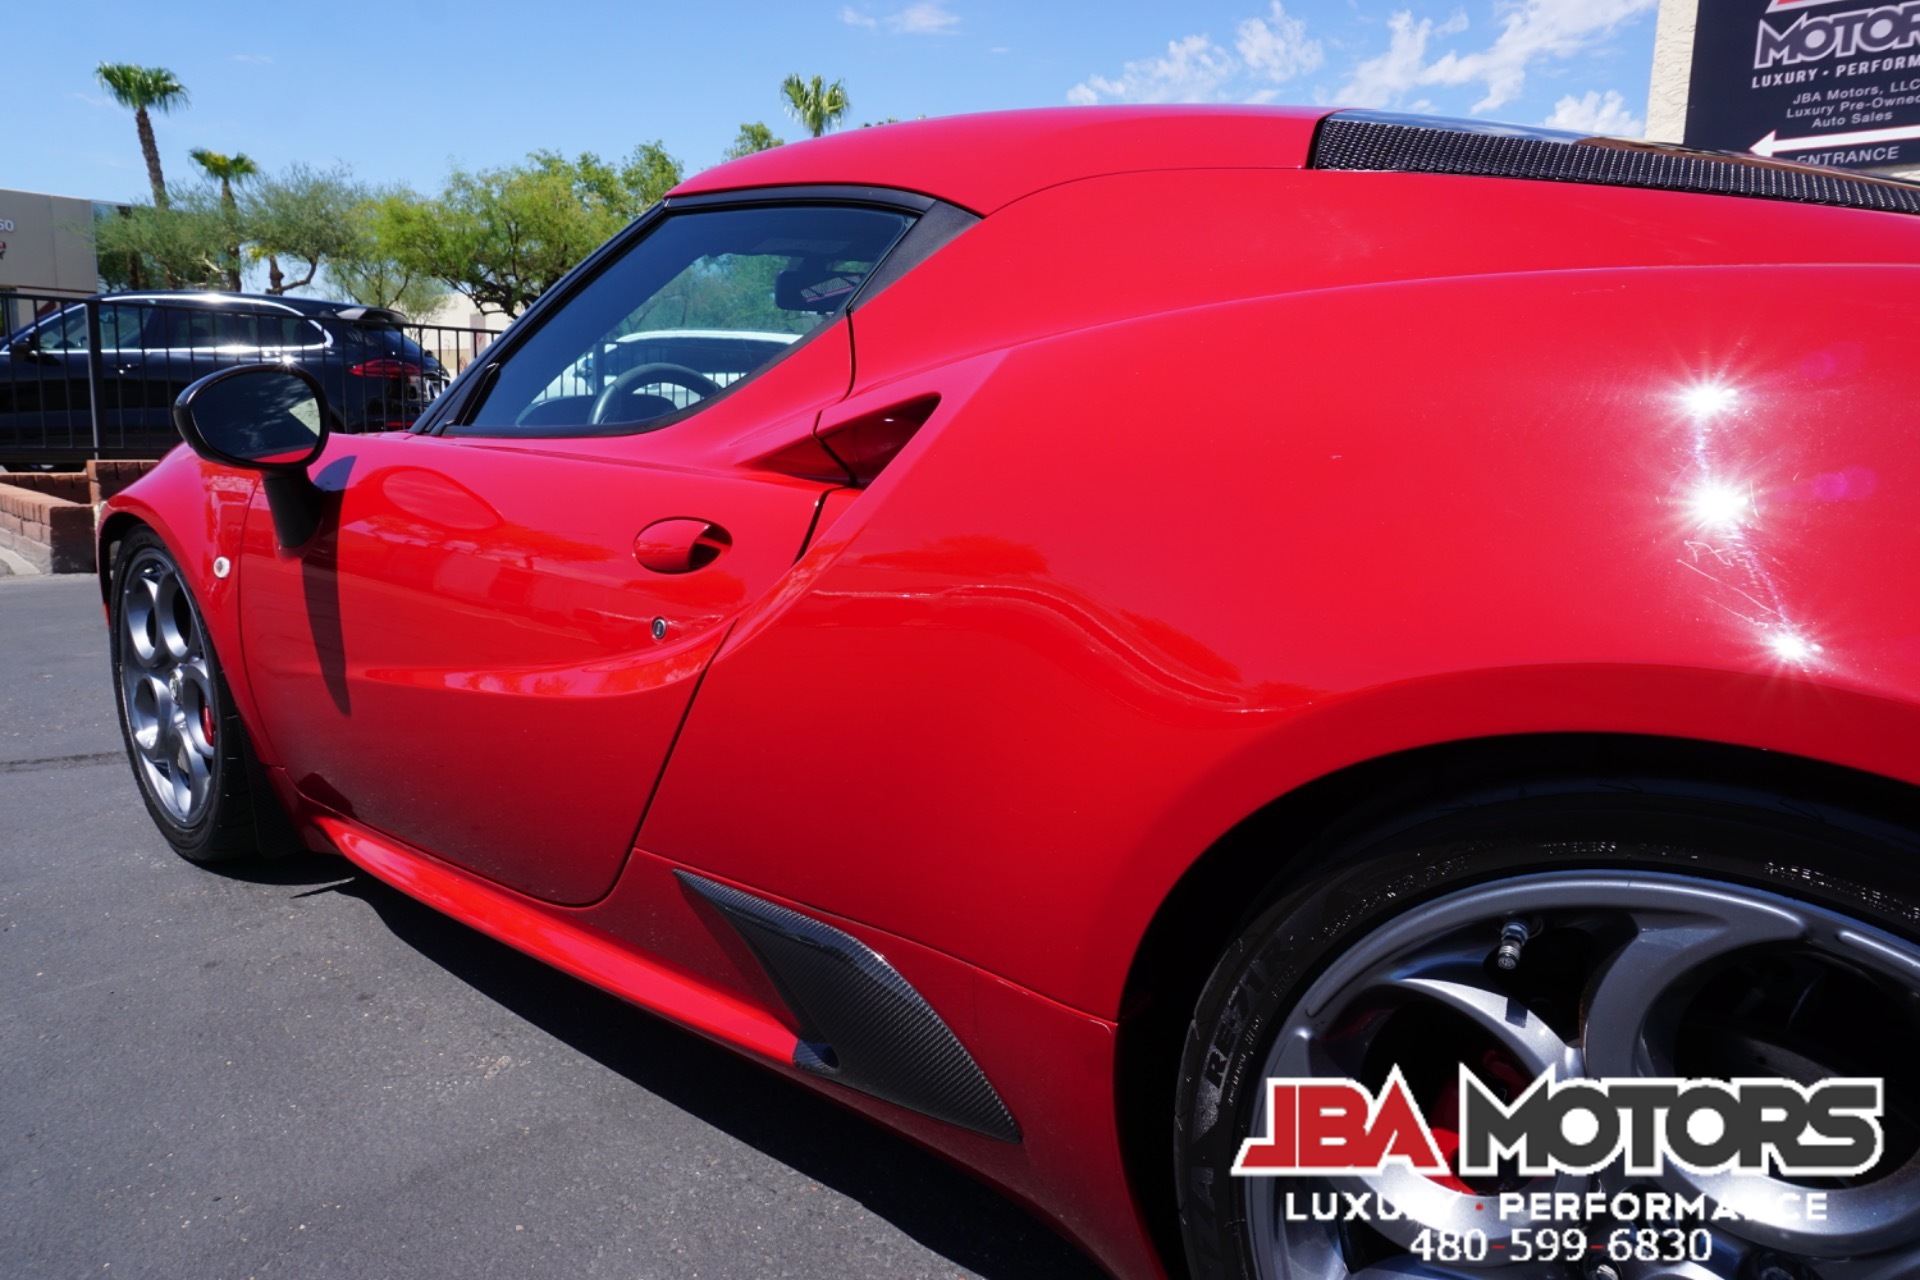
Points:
(861, 1023)
(1419, 144)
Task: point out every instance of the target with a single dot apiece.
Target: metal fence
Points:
(97, 377)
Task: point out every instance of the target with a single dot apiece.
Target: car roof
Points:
(248, 301)
(982, 162)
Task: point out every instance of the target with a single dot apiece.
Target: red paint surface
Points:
(1238, 476)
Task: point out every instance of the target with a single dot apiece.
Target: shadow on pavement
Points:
(931, 1201)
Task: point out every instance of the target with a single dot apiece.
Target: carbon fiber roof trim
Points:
(1415, 144)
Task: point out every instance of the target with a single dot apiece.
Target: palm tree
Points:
(237, 167)
(818, 106)
(140, 89)
(228, 169)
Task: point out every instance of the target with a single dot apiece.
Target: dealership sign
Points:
(1832, 82)
(1755, 1126)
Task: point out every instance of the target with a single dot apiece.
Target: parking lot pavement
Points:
(297, 1071)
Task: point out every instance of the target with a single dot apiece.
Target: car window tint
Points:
(120, 328)
(206, 328)
(65, 332)
(703, 302)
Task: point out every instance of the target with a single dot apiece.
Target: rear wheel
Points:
(189, 752)
(1692, 936)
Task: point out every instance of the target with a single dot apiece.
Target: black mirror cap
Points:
(271, 418)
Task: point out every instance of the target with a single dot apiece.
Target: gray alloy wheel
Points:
(1703, 943)
(1662, 950)
(187, 748)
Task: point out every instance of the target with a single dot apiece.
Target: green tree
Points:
(504, 236)
(227, 170)
(648, 174)
(185, 244)
(304, 215)
(818, 106)
(372, 271)
(625, 191)
(142, 90)
(751, 140)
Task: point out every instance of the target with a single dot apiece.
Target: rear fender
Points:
(1146, 578)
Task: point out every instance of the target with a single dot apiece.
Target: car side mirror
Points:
(266, 418)
(24, 347)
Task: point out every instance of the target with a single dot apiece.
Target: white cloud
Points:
(1276, 47)
(253, 57)
(1195, 69)
(928, 18)
(1381, 79)
(854, 18)
(1531, 31)
(1593, 113)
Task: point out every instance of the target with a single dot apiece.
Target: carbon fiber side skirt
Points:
(861, 1023)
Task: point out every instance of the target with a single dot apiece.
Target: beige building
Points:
(46, 247)
(1673, 57)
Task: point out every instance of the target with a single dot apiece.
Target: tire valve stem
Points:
(1513, 937)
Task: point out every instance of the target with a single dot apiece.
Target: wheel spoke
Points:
(1505, 1019)
(149, 707)
(140, 599)
(1671, 943)
(193, 772)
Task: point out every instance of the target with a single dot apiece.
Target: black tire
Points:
(1352, 887)
(201, 805)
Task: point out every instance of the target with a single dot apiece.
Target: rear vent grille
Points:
(1364, 140)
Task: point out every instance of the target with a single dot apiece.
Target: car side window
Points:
(701, 303)
(120, 328)
(187, 328)
(65, 332)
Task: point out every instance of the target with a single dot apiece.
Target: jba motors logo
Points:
(1323, 1127)
(1817, 34)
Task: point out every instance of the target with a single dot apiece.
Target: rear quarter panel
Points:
(1132, 583)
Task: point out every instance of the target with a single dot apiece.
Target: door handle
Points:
(680, 544)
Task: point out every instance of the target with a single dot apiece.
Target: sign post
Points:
(1833, 82)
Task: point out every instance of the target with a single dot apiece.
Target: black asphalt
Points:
(295, 1071)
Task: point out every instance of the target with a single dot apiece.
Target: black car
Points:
(152, 345)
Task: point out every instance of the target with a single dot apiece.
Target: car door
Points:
(46, 391)
(488, 648)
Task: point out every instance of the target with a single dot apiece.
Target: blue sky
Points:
(400, 90)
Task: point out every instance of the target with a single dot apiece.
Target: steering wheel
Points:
(642, 375)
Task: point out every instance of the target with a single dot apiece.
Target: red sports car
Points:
(1069, 630)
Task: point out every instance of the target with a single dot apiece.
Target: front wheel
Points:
(1586, 937)
(188, 749)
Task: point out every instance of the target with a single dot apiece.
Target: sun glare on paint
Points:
(1708, 399)
(1720, 504)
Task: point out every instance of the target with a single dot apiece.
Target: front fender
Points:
(199, 509)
